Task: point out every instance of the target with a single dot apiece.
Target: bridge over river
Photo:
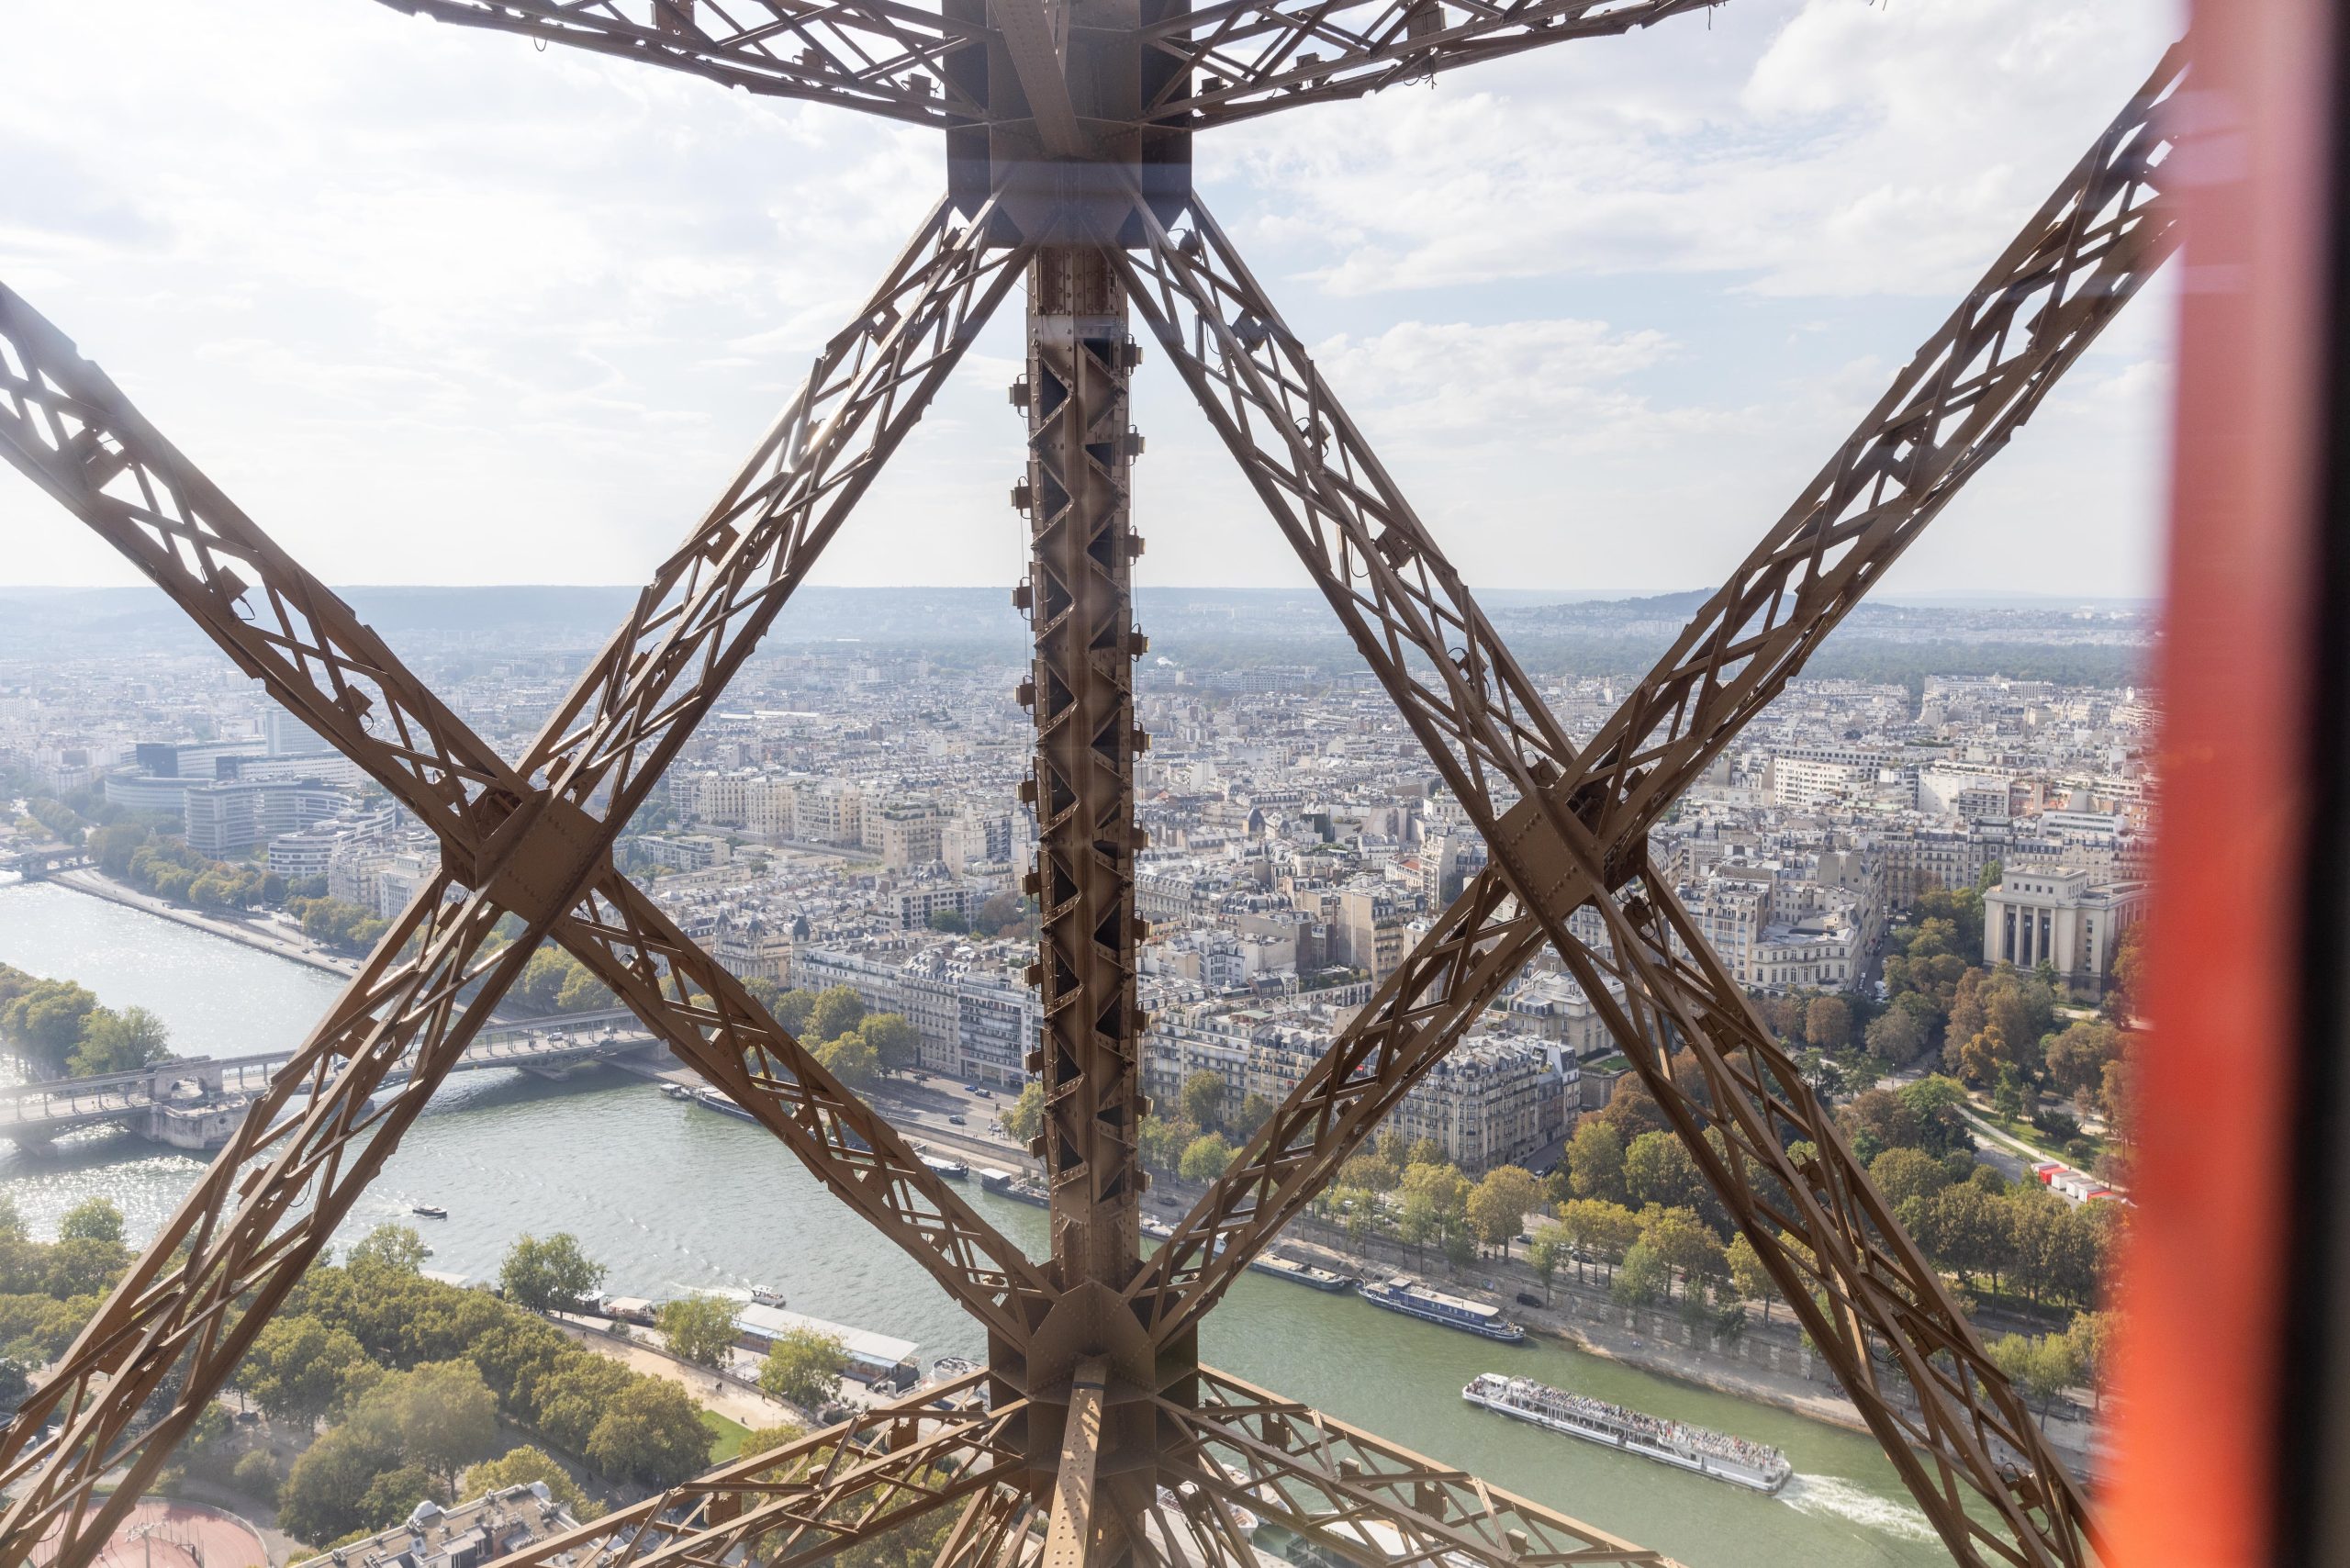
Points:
(194, 1103)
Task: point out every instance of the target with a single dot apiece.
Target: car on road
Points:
(959, 1121)
(987, 1093)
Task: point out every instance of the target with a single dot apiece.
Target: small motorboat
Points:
(430, 1210)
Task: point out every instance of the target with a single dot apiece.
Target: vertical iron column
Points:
(1080, 600)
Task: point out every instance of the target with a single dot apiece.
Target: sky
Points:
(437, 306)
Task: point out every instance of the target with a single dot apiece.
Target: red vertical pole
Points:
(2199, 1438)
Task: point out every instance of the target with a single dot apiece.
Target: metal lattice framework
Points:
(1093, 1435)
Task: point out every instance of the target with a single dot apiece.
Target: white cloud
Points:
(436, 306)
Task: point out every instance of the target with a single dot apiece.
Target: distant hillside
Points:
(1196, 628)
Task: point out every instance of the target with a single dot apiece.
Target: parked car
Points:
(1527, 1298)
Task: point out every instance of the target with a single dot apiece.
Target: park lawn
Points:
(729, 1436)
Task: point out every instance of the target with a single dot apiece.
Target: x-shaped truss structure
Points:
(1094, 1435)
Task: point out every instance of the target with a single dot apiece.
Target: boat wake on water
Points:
(1833, 1496)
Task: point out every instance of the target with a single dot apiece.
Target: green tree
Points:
(1549, 1249)
(326, 1494)
(581, 992)
(1965, 1228)
(44, 1021)
(1904, 1173)
(699, 1328)
(521, 1467)
(950, 920)
(1658, 1169)
(895, 1042)
(651, 1435)
(835, 1011)
(1255, 1111)
(554, 1275)
(92, 1219)
(1204, 1157)
(394, 1494)
(256, 1475)
(1497, 1205)
(1896, 1037)
(1417, 1222)
(1201, 1100)
(2077, 1059)
(851, 1061)
(2041, 1368)
(1160, 1141)
(1752, 1281)
(300, 1369)
(1599, 1228)
(1643, 1277)
(397, 1247)
(803, 1367)
(1596, 1162)
(793, 1009)
(1025, 1115)
(2094, 1336)
(440, 1415)
(1683, 1243)
(119, 1042)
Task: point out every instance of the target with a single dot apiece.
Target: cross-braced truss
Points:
(1093, 1436)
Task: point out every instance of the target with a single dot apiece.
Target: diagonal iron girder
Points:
(884, 1467)
(1241, 59)
(1360, 1498)
(1565, 844)
(66, 426)
(1233, 60)
(1235, 1448)
(882, 56)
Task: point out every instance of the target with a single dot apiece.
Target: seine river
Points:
(672, 1198)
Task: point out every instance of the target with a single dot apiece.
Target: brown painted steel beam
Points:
(877, 1472)
(880, 57)
(1040, 58)
(1246, 58)
(1068, 1538)
(1360, 1498)
(1080, 598)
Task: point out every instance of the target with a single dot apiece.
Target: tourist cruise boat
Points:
(1404, 1294)
(1698, 1449)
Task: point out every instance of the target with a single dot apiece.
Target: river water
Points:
(672, 1197)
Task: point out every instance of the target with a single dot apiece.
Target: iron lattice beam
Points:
(1361, 1497)
(882, 1468)
(1079, 597)
(877, 56)
(1241, 59)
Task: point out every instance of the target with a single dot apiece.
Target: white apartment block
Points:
(2060, 919)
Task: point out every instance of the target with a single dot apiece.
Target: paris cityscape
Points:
(846, 837)
(1408, 793)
